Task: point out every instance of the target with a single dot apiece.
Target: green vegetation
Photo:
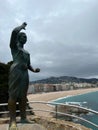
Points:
(4, 71)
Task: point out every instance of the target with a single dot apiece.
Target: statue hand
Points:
(24, 25)
(37, 70)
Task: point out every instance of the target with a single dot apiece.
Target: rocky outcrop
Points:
(53, 124)
(68, 110)
(42, 123)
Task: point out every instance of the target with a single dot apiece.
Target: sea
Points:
(88, 100)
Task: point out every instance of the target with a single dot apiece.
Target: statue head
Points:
(22, 38)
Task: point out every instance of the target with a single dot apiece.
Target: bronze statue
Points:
(18, 76)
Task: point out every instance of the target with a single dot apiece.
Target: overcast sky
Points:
(62, 35)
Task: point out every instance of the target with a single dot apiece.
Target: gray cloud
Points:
(62, 35)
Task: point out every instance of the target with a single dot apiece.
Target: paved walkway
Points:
(24, 127)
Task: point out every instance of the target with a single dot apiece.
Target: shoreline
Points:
(68, 96)
(48, 97)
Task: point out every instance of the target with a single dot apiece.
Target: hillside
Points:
(67, 79)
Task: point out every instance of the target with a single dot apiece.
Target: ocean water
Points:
(88, 100)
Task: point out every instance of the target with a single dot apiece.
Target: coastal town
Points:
(40, 87)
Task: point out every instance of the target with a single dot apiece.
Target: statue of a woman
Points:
(18, 76)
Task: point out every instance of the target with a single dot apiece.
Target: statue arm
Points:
(33, 70)
(13, 40)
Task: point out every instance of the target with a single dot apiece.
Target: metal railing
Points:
(56, 111)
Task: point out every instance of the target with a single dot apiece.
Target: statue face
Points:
(23, 38)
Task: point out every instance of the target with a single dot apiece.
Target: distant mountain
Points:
(67, 79)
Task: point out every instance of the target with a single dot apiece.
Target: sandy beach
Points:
(52, 96)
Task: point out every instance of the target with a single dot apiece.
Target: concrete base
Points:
(24, 127)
